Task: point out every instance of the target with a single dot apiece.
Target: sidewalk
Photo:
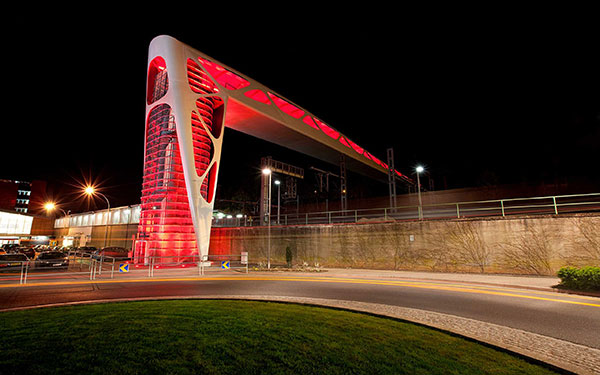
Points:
(533, 282)
(530, 282)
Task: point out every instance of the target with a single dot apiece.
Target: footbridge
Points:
(190, 98)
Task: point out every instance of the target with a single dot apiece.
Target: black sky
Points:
(482, 96)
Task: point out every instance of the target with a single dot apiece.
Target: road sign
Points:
(124, 267)
(225, 265)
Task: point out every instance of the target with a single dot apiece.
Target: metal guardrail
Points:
(217, 261)
(554, 205)
(32, 269)
(86, 266)
(22, 267)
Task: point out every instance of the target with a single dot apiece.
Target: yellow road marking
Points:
(411, 284)
(483, 287)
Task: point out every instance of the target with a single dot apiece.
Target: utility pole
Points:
(343, 186)
(275, 167)
(391, 177)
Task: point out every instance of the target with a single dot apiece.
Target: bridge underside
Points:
(246, 120)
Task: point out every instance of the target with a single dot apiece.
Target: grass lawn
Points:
(234, 337)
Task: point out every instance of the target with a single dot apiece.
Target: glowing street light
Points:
(51, 206)
(267, 172)
(419, 170)
(278, 183)
(91, 191)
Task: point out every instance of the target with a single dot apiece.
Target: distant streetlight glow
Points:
(278, 183)
(419, 170)
(91, 191)
(51, 206)
(267, 172)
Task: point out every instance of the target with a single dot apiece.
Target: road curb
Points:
(557, 353)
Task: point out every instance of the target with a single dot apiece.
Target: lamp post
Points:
(51, 206)
(278, 183)
(267, 172)
(419, 170)
(91, 191)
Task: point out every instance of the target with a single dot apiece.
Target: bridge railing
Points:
(553, 205)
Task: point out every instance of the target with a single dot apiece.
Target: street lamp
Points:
(267, 172)
(51, 206)
(419, 170)
(91, 191)
(278, 183)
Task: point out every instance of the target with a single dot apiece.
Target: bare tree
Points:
(343, 243)
(587, 243)
(368, 243)
(531, 251)
(465, 241)
(405, 254)
(436, 253)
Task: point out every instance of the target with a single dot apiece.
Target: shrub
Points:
(585, 278)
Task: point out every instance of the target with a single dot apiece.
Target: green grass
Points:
(234, 337)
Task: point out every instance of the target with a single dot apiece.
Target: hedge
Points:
(585, 278)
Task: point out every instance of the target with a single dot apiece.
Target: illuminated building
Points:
(23, 196)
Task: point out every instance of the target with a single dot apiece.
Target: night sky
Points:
(501, 97)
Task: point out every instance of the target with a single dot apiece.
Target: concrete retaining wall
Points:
(518, 245)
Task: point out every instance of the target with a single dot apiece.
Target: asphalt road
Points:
(568, 317)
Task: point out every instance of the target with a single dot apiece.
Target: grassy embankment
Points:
(224, 337)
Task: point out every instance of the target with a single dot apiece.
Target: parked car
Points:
(28, 251)
(111, 251)
(11, 262)
(7, 247)
(87, 249)
(54, 259)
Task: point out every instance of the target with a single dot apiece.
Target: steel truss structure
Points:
(190, 98)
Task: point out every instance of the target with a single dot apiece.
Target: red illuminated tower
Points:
(166, 224)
